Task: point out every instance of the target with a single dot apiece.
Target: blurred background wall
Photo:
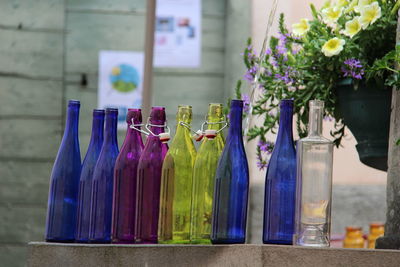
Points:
(49, 54)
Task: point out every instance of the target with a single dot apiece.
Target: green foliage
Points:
(308, 63)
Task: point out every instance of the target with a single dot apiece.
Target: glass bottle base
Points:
(277, 242)
(312, 235)
(228, 241)
(200, 241)
(59, 240)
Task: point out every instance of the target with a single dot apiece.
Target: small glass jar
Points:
(376, 230)
(354, 238)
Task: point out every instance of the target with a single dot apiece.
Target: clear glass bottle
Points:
(149, 181)
(204, 176)
(86, 178)
(376, 230)
(314, 183)
(280, 184)
(64, 182)
(229, 213)
(103, 177)
(125, 180)
(176, 183)
(354, 238)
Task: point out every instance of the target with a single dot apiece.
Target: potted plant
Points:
(345, 55)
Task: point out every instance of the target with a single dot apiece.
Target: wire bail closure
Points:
(134, 126)
(209, 133)
(164, 137)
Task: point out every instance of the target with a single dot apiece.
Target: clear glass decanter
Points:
(314, 183)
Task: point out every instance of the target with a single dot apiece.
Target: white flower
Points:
(342, 3)
(333, 47)
(301, 28)
(361, 4)
(331, 14)
(352, 27)
(369, 14)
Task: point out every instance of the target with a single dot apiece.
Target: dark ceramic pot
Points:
(366, 112)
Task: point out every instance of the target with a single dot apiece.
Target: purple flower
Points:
(266, 147)
(268, 51)
(352, 68)
(261, 164)
(246, 103)
(250, 73)
(282, 38)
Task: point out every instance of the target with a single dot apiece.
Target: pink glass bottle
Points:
(125, 172)
(149, 180)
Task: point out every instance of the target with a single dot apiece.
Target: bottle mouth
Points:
(73, 102)
(157, 115)
(287, 103)
(236, 103)
(316, 104)
(111, 111)
(135, 114)
(98, 111)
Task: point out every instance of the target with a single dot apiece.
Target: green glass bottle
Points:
(176, 183)
(204, 175)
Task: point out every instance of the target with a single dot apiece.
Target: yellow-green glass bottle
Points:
(176, 183)
(204, 176)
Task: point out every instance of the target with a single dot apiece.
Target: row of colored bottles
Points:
(137, 195)
(354, 236)
(298, 188)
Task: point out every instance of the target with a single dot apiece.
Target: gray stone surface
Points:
(45, 254)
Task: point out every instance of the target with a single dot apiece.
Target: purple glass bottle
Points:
(102, 192)
(85, 181)
(149, 180)
(125, 172)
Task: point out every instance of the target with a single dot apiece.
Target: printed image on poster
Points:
(120, 81)
(178, 34)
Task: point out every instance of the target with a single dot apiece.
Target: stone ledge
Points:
(57, 254)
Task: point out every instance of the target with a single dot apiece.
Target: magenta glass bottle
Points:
(149, 180)
(125, 172)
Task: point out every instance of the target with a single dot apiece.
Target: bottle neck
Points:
(155, 129)
(285, 133)
(97, 130)
(133, 135)
(315, 121)
(72, 121)
(235, 121)
(111, 129)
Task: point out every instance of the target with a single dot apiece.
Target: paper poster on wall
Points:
(177, 40)
(120, 81)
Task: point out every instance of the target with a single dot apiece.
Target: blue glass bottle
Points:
(280, 184)
(102, 192)
(231, 185)
(64, 182)
(85, 182)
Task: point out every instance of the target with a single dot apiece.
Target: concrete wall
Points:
(45, 48)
